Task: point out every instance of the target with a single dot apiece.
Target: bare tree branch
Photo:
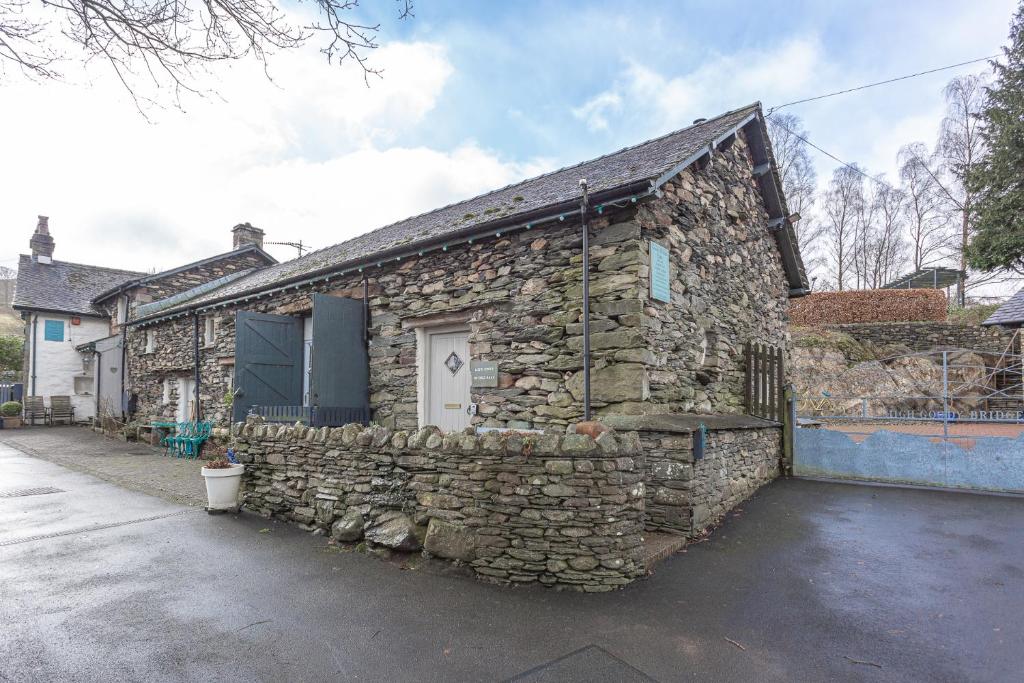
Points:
(171, 42)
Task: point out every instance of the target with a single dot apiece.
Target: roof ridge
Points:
(752, 105)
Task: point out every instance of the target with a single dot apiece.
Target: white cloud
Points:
(594, 111)
(660, 102)
(312, 156)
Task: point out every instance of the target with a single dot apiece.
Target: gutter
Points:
(35, 350)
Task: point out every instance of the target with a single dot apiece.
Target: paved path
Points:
(134, 466)
(810, 581)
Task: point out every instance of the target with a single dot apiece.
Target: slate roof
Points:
(150, 277)
(149, 309)
(64, 287)
(1010, 313)
(640, 164)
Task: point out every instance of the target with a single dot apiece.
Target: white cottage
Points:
(61, 322)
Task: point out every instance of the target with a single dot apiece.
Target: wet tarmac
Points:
(808, 581)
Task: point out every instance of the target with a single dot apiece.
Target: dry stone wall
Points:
(563, 511)
(931, 336)
(687, 496)
(728, 286)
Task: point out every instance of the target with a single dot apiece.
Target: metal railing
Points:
(313, 416)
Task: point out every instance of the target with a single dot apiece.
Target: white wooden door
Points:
(447, 380)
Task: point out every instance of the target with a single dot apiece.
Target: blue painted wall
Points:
(993, 464)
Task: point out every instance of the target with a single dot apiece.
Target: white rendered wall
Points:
(58, 363)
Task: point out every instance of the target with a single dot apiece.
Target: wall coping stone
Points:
(685, 423)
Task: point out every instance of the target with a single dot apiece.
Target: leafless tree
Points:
(169, 41)
(885, 246)
(799, 183)
(960, 147)
(927, 223)
(841, 207)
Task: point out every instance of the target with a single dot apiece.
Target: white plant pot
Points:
(222, 487)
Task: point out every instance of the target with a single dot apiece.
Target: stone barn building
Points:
(470, 316)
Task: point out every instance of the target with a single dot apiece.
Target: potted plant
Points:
(11, 414)
(223, 478)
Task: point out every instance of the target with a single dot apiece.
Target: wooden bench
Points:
(34, 409)
(61, 409)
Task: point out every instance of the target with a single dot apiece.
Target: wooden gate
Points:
(764, 390)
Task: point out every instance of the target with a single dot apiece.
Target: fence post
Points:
(748, 378)
(945, 396)
(788, 427)
(780, 379)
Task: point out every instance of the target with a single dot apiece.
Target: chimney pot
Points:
(244, 234)
(42, 243)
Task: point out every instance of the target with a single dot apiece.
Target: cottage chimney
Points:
(41, 242)
(246, 234)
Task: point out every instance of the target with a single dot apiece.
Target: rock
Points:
(584, 564)
(558, 466)
(393, 530)
(613, 383)
(623, 338)
(451, 541)
(591, 428)
(349, 527)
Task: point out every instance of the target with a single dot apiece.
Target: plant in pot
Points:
(223, 477)
(11, 414)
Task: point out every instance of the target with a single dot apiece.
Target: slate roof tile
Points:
(1010, 313)
(63, 286)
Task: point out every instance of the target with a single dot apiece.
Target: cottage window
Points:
(209, 331)
(53, 330)
(166, 398)
(150, 341)
(122, 309)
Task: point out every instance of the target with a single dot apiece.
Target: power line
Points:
(833, 156)
(872, 85)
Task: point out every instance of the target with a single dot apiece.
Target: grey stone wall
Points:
(727, 280)
(562, 511)
(928, 336)
(687, 496)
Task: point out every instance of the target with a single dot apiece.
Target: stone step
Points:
(660, 546)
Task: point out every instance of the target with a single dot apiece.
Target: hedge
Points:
(868, 306)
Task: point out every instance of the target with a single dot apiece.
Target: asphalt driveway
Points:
(810, 581)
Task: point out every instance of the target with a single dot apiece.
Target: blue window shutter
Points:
(340, 367)
(53, 330)
(268, 361)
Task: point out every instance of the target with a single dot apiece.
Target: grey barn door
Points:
(268, 361)
(339, 367)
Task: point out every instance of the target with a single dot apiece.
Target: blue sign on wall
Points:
(53, 330)
(660, 287)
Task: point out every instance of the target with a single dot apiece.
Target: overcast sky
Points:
(474, 96)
